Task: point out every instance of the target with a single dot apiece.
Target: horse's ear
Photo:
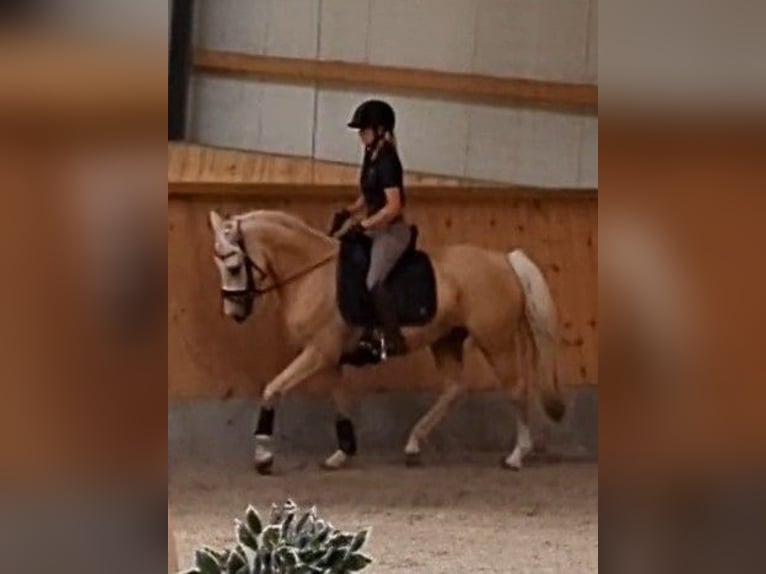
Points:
(216, 221)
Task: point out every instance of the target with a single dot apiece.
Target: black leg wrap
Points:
(344, 429)
(265, 422)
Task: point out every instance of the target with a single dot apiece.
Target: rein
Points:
(289, 279)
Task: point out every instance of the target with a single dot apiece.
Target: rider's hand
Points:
(354, 231)
(339, 220)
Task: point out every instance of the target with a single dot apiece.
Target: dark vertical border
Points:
(179, 66)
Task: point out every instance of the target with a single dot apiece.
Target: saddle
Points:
(412, 284)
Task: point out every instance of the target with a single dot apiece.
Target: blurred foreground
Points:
(82, 344)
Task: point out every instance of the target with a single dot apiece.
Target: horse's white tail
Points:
(540, 312)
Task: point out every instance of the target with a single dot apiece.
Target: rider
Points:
(380, 210)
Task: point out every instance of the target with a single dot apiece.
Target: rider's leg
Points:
(385, 307)
(387, 248)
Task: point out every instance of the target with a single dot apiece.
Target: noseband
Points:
(247, 295)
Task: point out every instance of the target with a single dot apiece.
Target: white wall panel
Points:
(233, 25)
(528, 38)
(293, 28)
(431, 34)
(432, 135)
(334, 141)
(286, 28)
(589, 153)
(287, 119)
(534, 39)
(344, 29)
(531, 147)
(226, 112)
(592, 67)
(549, 153)
(493, 143)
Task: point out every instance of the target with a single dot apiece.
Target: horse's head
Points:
(236, 267)
(262, 251)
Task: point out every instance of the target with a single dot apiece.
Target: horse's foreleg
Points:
(308, 363)
(263, 457)
(344, 427)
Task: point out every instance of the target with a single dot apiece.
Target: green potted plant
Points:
(292, 542)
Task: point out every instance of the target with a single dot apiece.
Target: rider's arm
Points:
(390, 211)
(356, 207)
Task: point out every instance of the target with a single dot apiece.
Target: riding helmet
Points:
(373, 114)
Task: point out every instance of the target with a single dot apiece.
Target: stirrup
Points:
(385, 351)
(371, 342)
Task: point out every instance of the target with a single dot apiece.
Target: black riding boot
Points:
(394, 343)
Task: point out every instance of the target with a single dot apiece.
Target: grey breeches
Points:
(388, 245)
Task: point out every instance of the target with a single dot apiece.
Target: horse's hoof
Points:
(507, 465)
(412, 459)
(265, 467)
(335, 461)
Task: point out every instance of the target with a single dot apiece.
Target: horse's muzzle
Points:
(243, 302)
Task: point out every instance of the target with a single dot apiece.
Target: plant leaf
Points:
(235, 562)
(312, 555)
(335, 558)
(206, 562)
(303, 521)
(275, 516)
(360, 540)
(288, 557)
(246, 537)
(340, 539)
(267, 565)
(356, 562)
(270, 537)
(219, 556)
(322, 535)
(286, 524)
(253, 520)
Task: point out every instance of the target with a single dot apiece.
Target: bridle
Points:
(253, 289)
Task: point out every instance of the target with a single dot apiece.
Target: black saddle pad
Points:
(412, 283)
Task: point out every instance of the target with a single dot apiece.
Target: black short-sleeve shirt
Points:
(379, 174)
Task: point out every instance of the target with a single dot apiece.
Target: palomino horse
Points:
(498, 303)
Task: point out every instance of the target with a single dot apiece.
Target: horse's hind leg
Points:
(523, 446)
(448, 353)
(510, 364)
